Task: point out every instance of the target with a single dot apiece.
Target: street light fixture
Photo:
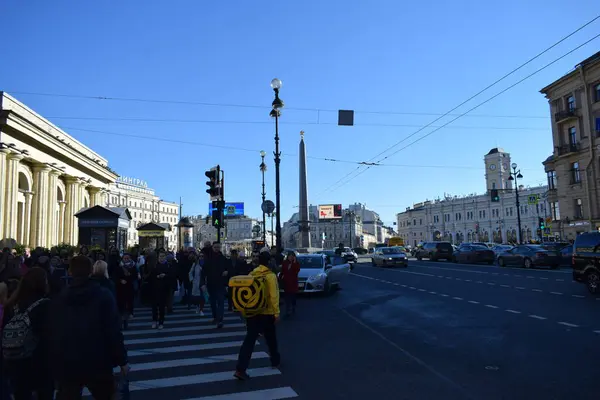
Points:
(275, 113)
(515, 175)
(263, 168)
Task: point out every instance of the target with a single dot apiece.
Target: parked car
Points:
(435, 251)
(321, 273)
(529, 255)
(554, 246)
(390, 257)
(349, 255)
(501, 248)
(360, 251)
(566, 256)
(473, 253)
(586, 261)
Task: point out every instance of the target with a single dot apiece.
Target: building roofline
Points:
(593, 59)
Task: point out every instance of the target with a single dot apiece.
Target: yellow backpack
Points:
(249, 294)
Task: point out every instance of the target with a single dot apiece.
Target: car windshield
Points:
(479, 247)
(535, 247)
(310, 262)
(391, 250)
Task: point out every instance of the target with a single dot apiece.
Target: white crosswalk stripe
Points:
(190, 359)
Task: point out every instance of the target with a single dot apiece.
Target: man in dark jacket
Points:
(85, 334)
(214, 278)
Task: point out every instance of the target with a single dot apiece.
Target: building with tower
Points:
(475, 217)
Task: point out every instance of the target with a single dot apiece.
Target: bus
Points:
(395, 241)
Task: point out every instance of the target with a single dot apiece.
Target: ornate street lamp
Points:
(515, 175)
(275, 113)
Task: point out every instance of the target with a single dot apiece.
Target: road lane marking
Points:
(265, 394)
(495, 273)
(519, 287)
(468, 280)
(440, 276)
(421, 290)
(443, 295)
(506, 274)
(413, 288)
(457, 298)
(536, 290)
(597, 332)
(513, 311)
(403, 285)
(490, 306)
(473, 302)
(531, 277)
(458, 279)
(559, 293)
(479, 282)
(491, 283)
(568, 324)
(396, 284)
(519, 276)
(544, 278)
(578, 296)
(505, 285)
(536, 316)
(560, 280)
(433, 292)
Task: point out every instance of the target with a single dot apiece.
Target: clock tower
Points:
(497, 169)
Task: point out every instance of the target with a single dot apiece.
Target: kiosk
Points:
(153, 235)
(105, 227)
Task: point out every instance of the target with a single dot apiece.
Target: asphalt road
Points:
(439, 330)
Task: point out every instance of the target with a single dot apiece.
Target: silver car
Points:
(390, 257)
(321, 273)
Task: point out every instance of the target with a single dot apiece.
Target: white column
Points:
(61, 222)
(71, 231)
(39, 211)
(51, 239)
(3, 180)
(12, 189)
(27, 218)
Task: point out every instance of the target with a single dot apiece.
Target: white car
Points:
(321, 273)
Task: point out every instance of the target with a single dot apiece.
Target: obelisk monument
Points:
(303, 219)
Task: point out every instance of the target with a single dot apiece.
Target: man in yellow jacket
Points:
(262, 323)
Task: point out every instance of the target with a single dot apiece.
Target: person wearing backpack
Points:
(86, 336)
(25, 345)
(262, 321)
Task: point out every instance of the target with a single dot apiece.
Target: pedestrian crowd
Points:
(62, 315)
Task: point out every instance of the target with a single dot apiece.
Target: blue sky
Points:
(378, 56)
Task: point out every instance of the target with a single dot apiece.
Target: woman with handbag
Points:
(197, 297)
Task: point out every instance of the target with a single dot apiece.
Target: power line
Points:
(472, 97)
(253, 106)
(204, 121)
(257, 151)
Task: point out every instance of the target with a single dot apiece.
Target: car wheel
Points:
(593, 282)
(501, 262)
(527, 263)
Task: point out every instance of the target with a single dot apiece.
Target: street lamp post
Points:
(351, 218)
(515, 175)
(275, 113)
(263, 168)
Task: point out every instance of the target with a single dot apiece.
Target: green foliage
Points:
(69, 249)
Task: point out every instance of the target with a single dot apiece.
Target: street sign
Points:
(533, 199)
(267, 207)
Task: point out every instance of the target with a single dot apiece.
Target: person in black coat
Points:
(161, 277)
(86, 338)
(100, 276)
(125, 276)
(214, 279)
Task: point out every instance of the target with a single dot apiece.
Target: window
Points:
(554, 210)
(414, 222)
(575, 173)
(551, 179)
(572, 136)
(578, 209)
(571, 103)
(483, 214)
(597, 92)
(420, 221)
(493, 185)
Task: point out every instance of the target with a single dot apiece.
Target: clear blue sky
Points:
(369, 56)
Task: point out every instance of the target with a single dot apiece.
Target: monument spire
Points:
(303, 218)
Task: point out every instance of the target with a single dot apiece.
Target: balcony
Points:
(565, 115)
(568, 148)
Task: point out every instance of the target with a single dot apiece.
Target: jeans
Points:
(216, 296)
(264, 324)
(290, 302)
(101, 387)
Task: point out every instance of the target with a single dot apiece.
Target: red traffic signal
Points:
(213, 183)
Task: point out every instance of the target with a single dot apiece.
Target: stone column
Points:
(61, 222)
(27, 219)
(3, 180)
(12, 189)
(70, 231)
(95, 196)
(51, 239)
(39, 210)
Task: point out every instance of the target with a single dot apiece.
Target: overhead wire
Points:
(358, 168)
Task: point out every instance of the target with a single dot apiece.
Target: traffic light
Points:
(214, 183)
(541, 223)
(494, 195)
(217, 218)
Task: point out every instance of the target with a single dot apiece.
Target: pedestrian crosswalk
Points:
(192, 360)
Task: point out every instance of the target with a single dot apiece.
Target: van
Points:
(435, 251)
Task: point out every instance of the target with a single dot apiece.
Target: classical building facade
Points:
(237, 229)
(573, 169)
(46, 177)
(145, 206)
(476, 218)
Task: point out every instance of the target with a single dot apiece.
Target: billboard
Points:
(330, 211)
(231, 209)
